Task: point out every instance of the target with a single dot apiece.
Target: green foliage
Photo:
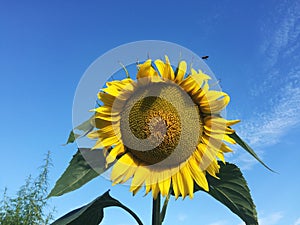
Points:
(29, 205)
(80, 171)
(232, 191)
(92, 213)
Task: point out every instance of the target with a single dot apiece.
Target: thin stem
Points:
(156, 211)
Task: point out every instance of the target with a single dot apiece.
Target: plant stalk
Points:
(156, 211)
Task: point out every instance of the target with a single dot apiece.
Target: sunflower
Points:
(164, 130)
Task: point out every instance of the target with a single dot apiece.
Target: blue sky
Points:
(254, 49)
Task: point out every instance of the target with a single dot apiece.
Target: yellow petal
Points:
(220, 155)
(229, 139)
(197, 96)
(165, 69)
(112, 118)
(116, 151)
(169, 70)
(126, 84)
(121, 166)
(155, 190)
(232, 122)
(198, 175)
(146, 70)
(180, 72)
(212, 96)
(213, 169)
(181, 185)
(148, 183)
(189, 84)
(210, 104)
(111, 90)
(106, 98)
(164, 182)
(188, 180)
(139, 177)
(99, 123)
(106, 110)
(213, 124)
(225, 148)
(106, 142)
(175, 186)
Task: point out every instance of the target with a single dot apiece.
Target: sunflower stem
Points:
(156, 211)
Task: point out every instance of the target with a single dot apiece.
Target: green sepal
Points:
(85, 165)
(92, 213)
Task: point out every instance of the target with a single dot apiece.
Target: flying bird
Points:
(205, 57)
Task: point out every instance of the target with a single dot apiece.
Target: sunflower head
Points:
(163, 130)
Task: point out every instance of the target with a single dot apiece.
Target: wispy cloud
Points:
(282, 42)
(297, 222)
(269, 127)
(220, 222)
(272, 219)
(280, 88)
(181, 217)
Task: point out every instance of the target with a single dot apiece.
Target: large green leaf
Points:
(92, 213)
(85, 165)
(232, 191)
(245, 146)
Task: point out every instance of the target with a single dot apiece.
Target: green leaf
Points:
(232, 191)
(92, 213)
(85, 165)
(245, 146)
(86, 127)
(72, 137)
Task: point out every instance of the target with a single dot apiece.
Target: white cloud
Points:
(297, 222)
(272, 219)
(181, 217)
(280, 88)
(283, 41)
(267, 128)
(220, 222)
